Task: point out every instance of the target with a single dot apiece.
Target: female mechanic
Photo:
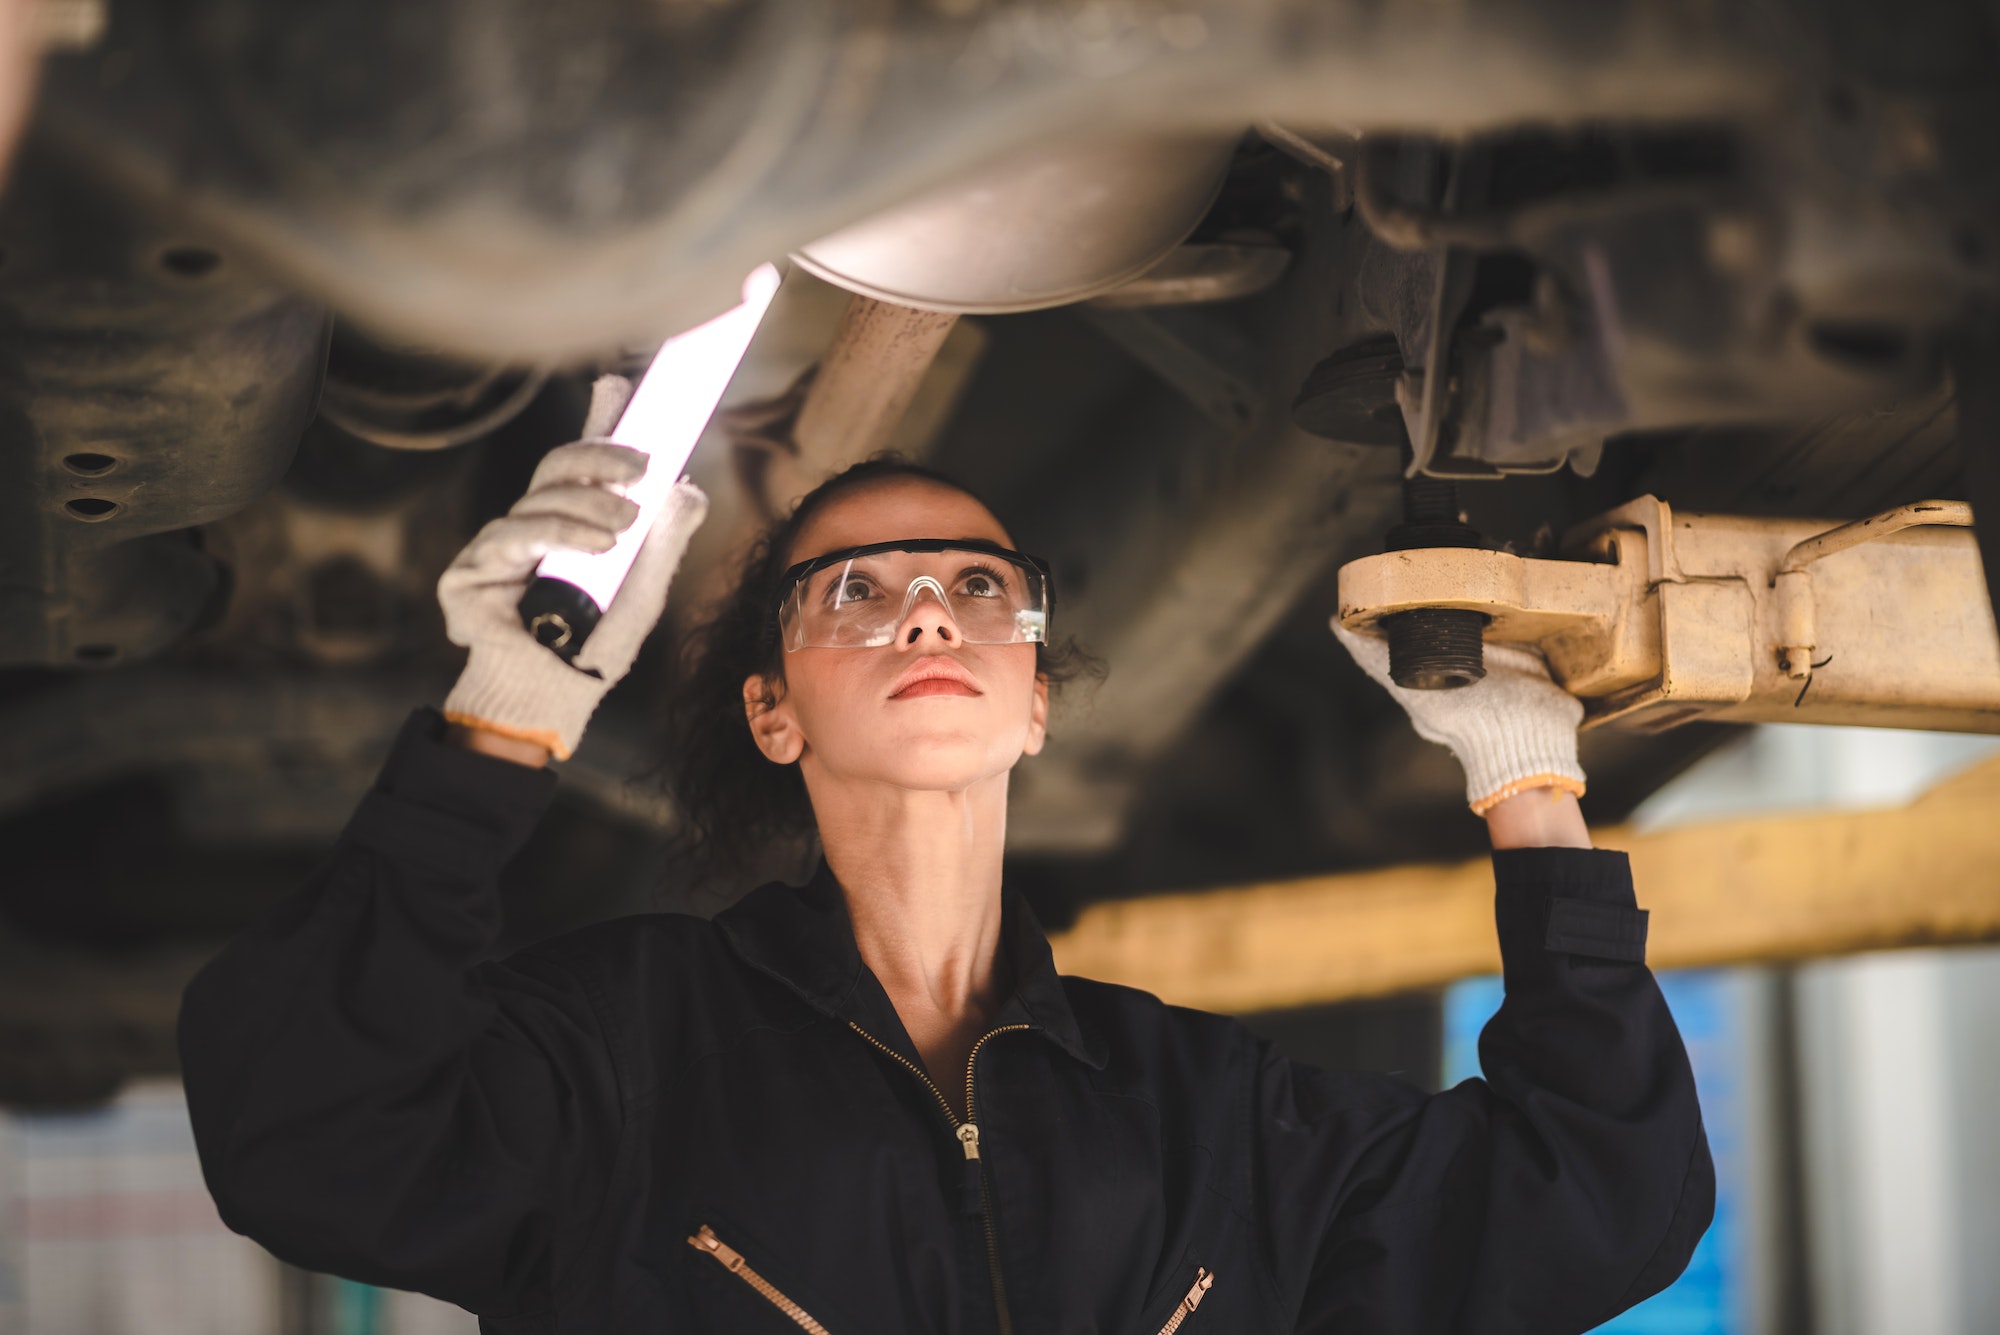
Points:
(870, 1104)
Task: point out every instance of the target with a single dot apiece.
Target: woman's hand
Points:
(1514, 732)
(516, 699)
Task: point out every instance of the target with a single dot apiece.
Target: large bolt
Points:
(1434, 648)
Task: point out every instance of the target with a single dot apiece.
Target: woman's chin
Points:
(944, 763)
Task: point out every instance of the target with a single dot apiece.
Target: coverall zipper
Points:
(1203, 1281)
(967, 1132)
(706, 1242)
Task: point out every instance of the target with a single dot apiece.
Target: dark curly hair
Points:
(735, 807)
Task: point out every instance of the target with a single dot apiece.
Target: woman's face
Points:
(926, 711)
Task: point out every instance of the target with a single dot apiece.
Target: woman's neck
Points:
(921, 875)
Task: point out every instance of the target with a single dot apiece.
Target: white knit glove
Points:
(511, 684)
(1513, 730)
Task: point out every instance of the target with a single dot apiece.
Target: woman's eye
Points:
(854, 589)
(980, 585)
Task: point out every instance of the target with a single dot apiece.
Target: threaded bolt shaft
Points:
(1434, 648)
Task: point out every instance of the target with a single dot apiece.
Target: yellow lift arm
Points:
(1770, 888)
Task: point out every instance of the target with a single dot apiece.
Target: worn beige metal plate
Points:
(1659, 618)
(1527, 600)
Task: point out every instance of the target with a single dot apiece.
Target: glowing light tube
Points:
(666, 416)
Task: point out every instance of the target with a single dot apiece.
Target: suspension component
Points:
(1434, 648)
(1657, 618)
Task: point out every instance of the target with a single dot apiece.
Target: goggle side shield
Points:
(857, 597)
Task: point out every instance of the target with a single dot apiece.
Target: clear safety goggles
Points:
(857, 597)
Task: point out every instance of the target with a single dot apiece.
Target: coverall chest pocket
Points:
(1207, 1271)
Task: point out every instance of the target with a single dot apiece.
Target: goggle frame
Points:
(799, 573)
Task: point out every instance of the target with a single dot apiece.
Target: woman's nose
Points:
(925, 610)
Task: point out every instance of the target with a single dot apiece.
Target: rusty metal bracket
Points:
(1655, 618)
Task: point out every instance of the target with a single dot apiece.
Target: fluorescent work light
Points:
(665, 418)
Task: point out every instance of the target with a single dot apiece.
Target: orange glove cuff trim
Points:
(1514, 788)
(548, 738)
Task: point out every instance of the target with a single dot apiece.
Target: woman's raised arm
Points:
(369, 1096)
(370, 1099)
(1574, 1179)
(1569, 1183)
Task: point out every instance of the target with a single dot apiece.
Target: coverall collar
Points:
(802, 936)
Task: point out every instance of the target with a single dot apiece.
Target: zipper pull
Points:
(706, 1241)
(971, 1201)
(1203, 1280)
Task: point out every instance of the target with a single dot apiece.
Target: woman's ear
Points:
(772, 726)
(1038, 717)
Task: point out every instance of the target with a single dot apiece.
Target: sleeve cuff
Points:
(1598, 874)
(1575, 901)
(502, 799)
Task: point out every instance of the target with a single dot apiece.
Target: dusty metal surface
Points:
(1551, 290)
(152, 382)
(413, 399)
(1662, 618)
(1795, 602)
(1064, 223)
(1181, 538)
(527, 183)
(851, 405)
(867, 380)
(1196, 275)
(1734, 892)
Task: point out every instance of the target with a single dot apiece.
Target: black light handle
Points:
(559, 615)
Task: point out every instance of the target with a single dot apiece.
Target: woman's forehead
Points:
(894, 508)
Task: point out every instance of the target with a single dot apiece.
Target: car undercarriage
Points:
(1201, 295)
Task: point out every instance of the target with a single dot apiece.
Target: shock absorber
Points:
(1434, 648)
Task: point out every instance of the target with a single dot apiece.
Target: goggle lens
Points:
(859, 602)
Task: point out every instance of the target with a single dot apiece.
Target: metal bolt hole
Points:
(89, 465)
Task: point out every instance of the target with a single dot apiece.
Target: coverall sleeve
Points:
(371, 1100)
(1570, 1183)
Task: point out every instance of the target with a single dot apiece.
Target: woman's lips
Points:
(934, 676)
(933, 686)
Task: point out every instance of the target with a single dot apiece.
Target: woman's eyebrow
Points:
(968, 541)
